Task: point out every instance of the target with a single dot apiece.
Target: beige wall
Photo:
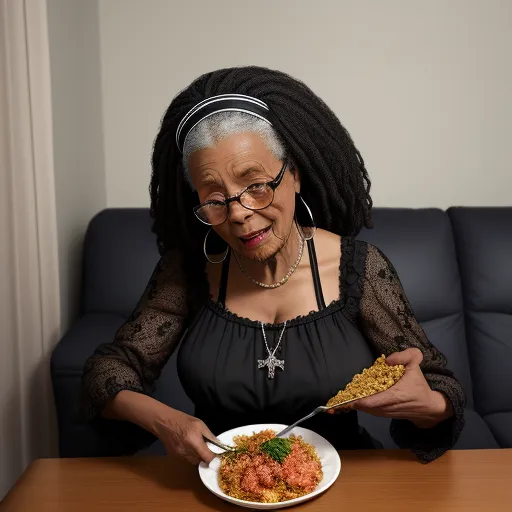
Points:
(423, 86)
(77, 134)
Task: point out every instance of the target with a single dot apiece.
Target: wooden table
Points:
(476, 480)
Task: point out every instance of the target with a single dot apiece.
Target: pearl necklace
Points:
(284, 279)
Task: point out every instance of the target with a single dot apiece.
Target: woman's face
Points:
(226, 169)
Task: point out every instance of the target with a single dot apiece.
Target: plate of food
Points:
(265, 472)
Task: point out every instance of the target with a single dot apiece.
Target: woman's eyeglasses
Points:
(254, 197)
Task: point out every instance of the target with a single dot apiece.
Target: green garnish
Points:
(277, 448)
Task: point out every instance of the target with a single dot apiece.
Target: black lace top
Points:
(322, 351)
(319, 354)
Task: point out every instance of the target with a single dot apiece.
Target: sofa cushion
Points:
(79, 342)
(490, 345)
(475, 435)
(501, 426)
(484, 247)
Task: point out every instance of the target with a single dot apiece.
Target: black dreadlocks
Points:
(334, 181)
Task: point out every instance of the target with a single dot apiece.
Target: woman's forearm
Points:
(137, 408)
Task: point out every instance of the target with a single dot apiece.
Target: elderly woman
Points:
(257, 191)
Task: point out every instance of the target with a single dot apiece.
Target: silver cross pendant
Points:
(272, 363)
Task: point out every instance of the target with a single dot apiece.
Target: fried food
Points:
(379, 377)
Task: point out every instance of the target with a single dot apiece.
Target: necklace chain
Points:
(273, 352)
(284, 279)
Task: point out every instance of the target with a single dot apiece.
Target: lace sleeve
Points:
(388, 321)
(143, 344)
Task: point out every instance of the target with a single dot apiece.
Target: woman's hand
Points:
(182, 435)
(410, 398)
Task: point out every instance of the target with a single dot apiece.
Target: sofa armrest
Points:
(78, 438)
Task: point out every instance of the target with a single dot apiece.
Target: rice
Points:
(250, 474)
(379, 377)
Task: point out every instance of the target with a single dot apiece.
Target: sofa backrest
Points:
(484, 247)
(420, 245)
(120, 254)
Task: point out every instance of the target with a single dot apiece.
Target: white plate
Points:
(331, 465)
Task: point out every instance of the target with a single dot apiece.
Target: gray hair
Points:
(211, 130)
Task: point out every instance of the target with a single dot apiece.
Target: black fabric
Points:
(217, 364)
(217, 361)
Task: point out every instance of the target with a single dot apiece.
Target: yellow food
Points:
(379, 377)
(251, 474)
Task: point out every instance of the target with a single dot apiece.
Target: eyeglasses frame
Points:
(273, 184)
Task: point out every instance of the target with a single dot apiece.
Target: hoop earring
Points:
(307, 232)
(206, 254)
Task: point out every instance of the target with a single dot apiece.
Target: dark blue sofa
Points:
(455, 266)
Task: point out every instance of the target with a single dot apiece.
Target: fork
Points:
(224, 447)
(220, 445)
(321, 408)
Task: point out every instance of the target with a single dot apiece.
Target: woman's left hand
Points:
(411, 397)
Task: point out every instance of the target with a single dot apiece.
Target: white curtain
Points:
(29, 284)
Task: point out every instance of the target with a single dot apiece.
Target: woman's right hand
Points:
(182, 435)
